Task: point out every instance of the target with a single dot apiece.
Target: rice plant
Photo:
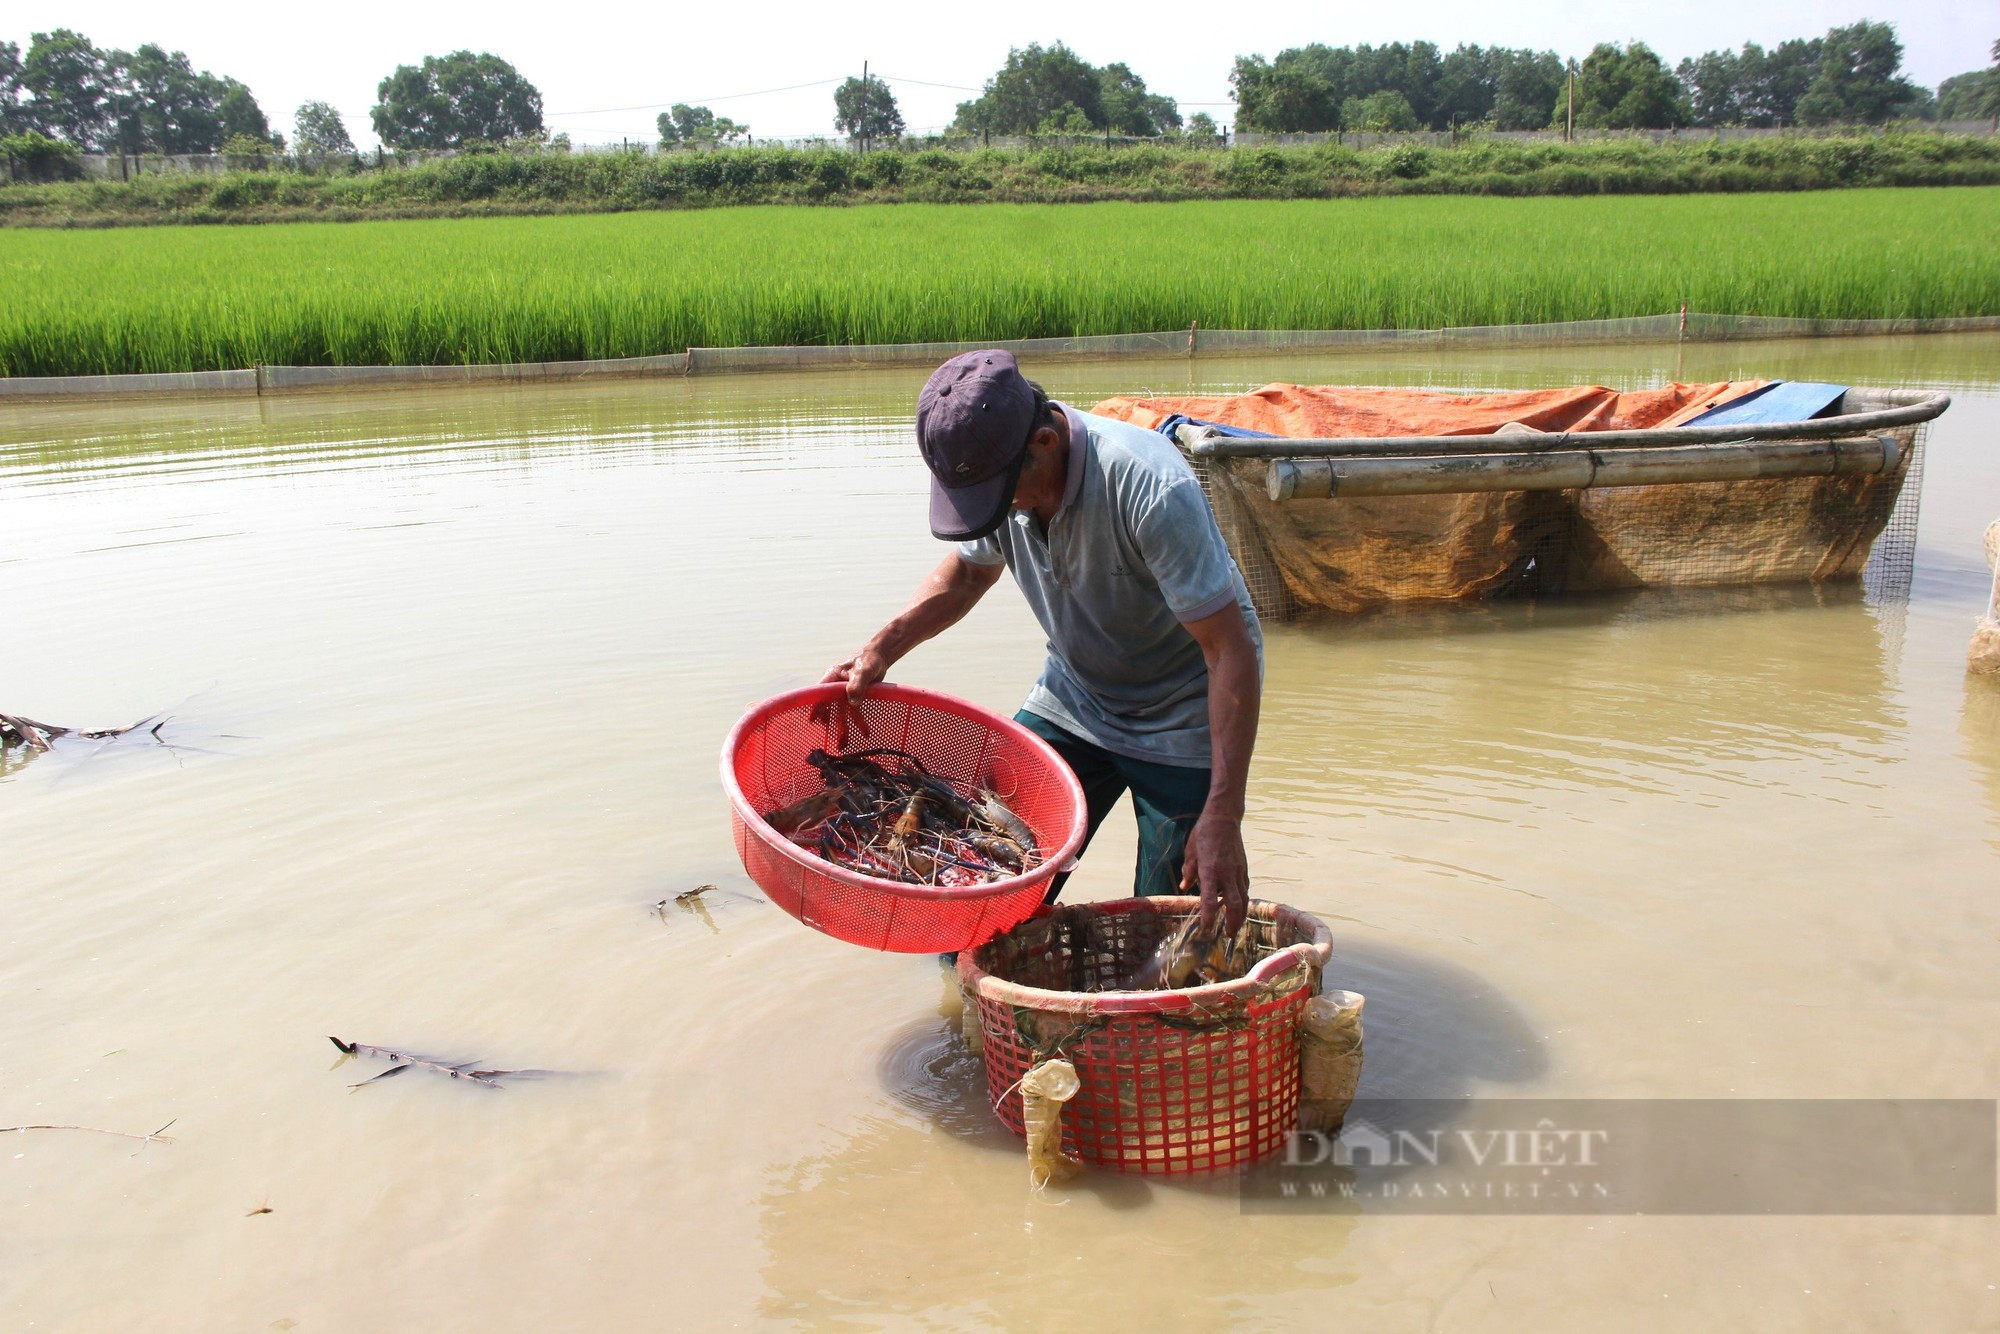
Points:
(477, 290)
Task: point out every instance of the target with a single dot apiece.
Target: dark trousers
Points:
(1167, 799)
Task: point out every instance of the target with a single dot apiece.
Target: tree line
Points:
(1851, 76)
(105, 100)
(65, 91)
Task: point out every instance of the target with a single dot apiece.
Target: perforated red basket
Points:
(764, 767)
(1171, 1081)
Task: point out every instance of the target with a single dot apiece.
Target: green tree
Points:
(1305, 88)
(1625, 88)
(1413, 71)
(1466, 85)
(125, 107)
(692, 125)
(13, 110)
(317, 130)
(1974, 95)
(1288, 94)
(243, 119)
(450, 100)
(1128, 108)
(697, 126)
(1858, 80)
(1958, 97)
(249, 145)
(1031, 89)
(1714, 84)
(148, 100)
(68, 87)
(1069, 118)
(1380, 111)
(866, 110)
(34, 156)
(173, 107)
(1779, 80)
(1525, 84)
(1202, 126)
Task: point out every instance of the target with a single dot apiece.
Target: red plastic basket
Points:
(764, 767)
(1171, 1081)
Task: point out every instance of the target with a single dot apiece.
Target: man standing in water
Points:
(1155, 657)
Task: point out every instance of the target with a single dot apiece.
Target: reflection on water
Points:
(993, 1252)
(1005, 1255)
(1695, 691)
(447, 672)
(926, 1068)
(44, 442)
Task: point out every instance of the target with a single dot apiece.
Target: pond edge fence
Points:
(264, 381)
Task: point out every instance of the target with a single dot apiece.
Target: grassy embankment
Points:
(536, 289)
(597, 183)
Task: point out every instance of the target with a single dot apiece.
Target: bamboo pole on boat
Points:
(1290, 479)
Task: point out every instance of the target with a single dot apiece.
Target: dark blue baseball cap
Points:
(974, 417)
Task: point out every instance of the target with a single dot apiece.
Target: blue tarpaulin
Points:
(1779, 401)
(1173, 423)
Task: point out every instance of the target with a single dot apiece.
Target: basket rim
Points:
(1313, 952)
(752, 820)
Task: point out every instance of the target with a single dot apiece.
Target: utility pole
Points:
(862, 128)
(1569, 104)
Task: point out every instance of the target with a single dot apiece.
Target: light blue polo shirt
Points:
(1130, 557)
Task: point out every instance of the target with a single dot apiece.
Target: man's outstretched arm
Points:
(1215, 856)
(946, 594)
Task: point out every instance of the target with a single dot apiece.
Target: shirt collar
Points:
(1079, 444)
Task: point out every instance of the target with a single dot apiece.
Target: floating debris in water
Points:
(405, 1061)
(697, 901)
(18, 731)
(155, 1137)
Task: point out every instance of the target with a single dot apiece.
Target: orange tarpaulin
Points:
(1317, 411)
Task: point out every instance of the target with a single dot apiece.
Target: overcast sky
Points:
(604, 77)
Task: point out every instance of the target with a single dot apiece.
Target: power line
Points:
(701, 101)
(923, 83)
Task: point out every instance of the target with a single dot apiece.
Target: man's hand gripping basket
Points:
(1169, 1081)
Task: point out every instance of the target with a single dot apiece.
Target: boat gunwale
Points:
(1908, 407)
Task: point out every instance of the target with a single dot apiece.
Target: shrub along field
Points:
(544, 183)
(541, 289)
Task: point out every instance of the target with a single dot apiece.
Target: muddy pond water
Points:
(447, 672)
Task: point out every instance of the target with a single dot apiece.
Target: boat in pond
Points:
(1351, 499)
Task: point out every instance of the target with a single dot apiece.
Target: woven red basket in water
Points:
(1171, 1081)
(764, 767)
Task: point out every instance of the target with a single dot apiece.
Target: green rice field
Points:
(454, 291)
